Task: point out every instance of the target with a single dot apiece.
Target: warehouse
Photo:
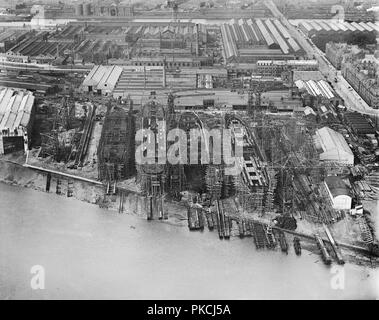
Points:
(102, 79)
(16, 118)
(339, 193)
(332, 147)
(246, 41)
(322, 31)
(359, 123)
(319, 88)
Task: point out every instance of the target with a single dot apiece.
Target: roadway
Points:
(352, 99)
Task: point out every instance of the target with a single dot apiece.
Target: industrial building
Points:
(102, 79)
(323, 31)
(247, 41)
(9, 38)
(358, 123)
(321, 10)
(339, 192)
(333, 147)
(319, 88)
(16, 119)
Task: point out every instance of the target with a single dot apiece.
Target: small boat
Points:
(297, 246)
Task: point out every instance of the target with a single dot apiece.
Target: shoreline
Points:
(16, 174)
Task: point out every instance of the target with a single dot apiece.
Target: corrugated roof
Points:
(373, 25)
(15, 108)
(324, 25)
(332, 25)
(319, 88)
(282, 29)
(306, 25)
(269, 40)
(341, 26)
(333, 142)
(365, 26)
(315, 25)
(349, 26)
(277, 36)
(103, 77)
(293, 44)
(357, 26)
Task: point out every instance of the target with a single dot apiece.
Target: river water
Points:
(87, 252)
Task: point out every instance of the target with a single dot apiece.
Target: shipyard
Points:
(254, 121)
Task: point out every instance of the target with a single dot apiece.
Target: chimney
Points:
(164, 73)
(197, 39)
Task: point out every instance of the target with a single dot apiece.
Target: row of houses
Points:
(363, 76)
(276, 67)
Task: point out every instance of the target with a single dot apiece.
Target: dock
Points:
(324, 252)
(334, 245)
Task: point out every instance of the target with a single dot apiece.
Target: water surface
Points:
(89, 253)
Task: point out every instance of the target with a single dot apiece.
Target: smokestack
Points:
(164, 73)
(197, 39)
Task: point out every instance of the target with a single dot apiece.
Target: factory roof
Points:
(316, 88)
(315, 25)
(357, 26)
(341, 26)
(365, 26)
(306, 25)
(277, 36)
(359, 123)
(324, 25)
(265, 33)
(15, 108)
(349, 26)
(337, 187)
(103, 77)
(333, 146)
(373, 25)
(332, 25)
(282, 29)
(293, 44)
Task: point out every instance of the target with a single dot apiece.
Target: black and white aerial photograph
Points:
(182, 150)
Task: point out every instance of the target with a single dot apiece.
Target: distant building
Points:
(276, 67)
(102, 79)
(104, 9)
(332, 147)
(319, 88)
(339, 192)
(111, 9)
(247, 41)
(363, 76)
